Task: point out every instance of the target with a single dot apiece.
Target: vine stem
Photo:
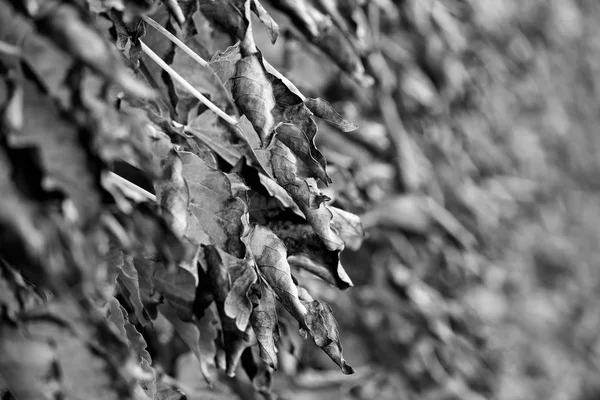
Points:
(187, 85)
(128, 185)
(175, 40)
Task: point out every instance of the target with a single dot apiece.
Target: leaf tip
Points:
(346, 368)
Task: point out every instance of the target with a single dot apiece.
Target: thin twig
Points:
(187, 85)
(128, 185)
(175, 40)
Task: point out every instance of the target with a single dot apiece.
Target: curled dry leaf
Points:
(253, 93)
(264, 322)
(323, 329)
(231, 281)
(322, 109)
(271, 257)
(348, 227)
(307, 251)
(297, 141)
(304, 193)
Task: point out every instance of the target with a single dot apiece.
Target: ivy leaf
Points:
(271, 258)
(264, 323)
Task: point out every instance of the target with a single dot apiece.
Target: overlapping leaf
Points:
(264, 322)
(231, 280)
(271, 258)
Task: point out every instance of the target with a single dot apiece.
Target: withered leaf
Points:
(307, 251)
(302, 144)
(231, 280)
(323, 329)
(253, 93)
(271, 257)
(229, 142)
(348, 227)
(254, 84)
(212, 202)
(322, 109)
(264, 323)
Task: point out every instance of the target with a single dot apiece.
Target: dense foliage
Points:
(168, 222)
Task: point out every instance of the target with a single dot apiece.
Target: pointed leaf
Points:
(264, 323)
(212, 202)
(307, 251)
(323, 328)
(348, 227)
(265, 18)
(253, 94)
(231, 278)
(271, 257)
(324, 110)
(304, 148)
